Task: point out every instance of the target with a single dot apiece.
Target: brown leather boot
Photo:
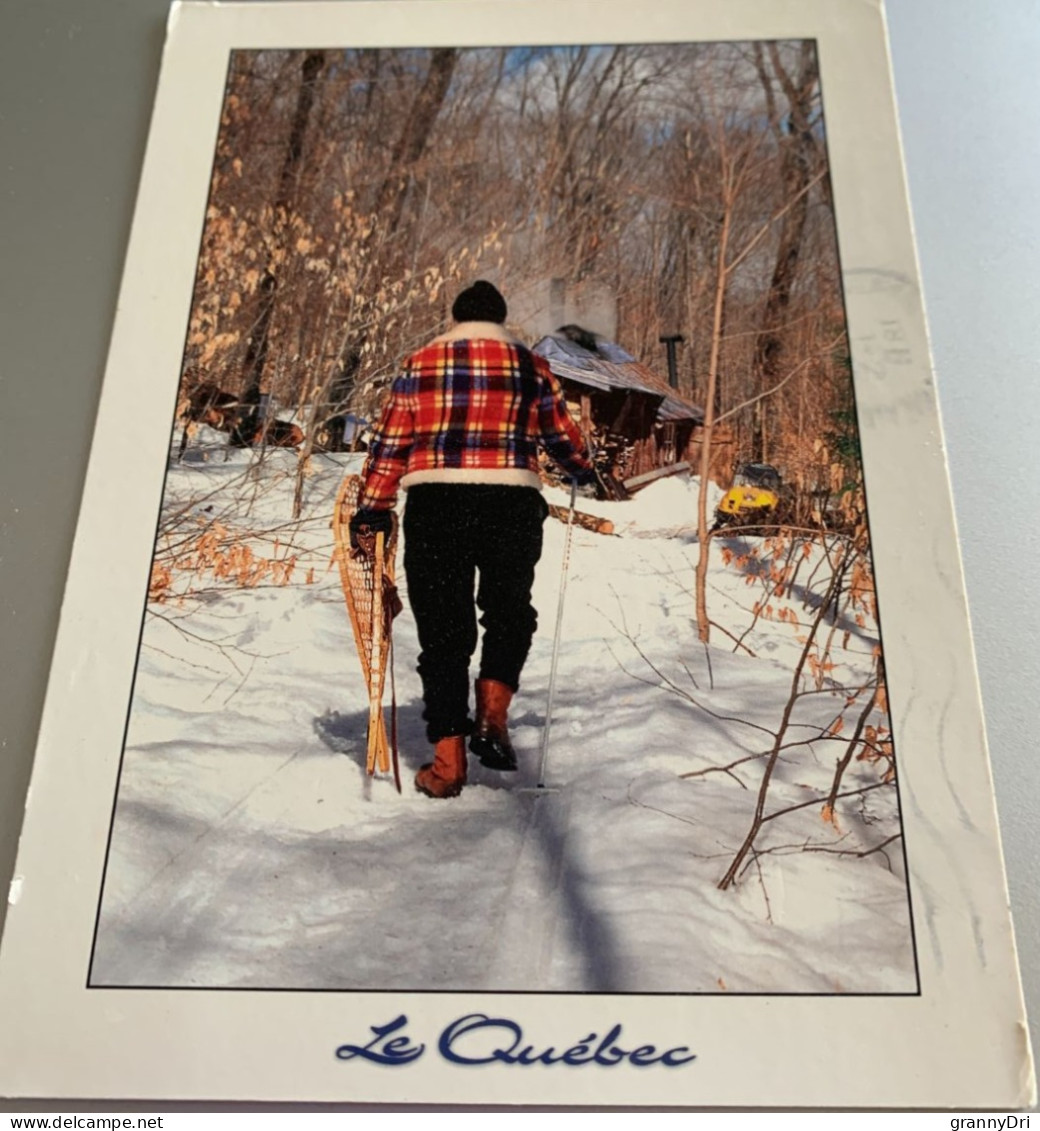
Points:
(490, 740)
(446, 774)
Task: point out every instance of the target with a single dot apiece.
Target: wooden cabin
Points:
(621, 402)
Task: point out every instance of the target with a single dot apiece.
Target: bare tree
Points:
(256, 352)
(799, 166)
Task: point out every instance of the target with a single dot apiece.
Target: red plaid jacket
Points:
(473, 407)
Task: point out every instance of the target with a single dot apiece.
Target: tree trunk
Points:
(413, 137)
(256, 352)
(798, 153)
(389, 206)
(703, 538)
(410, 145)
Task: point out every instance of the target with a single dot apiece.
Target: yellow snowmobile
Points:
(752, 499)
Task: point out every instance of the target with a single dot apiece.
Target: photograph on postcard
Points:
(511, 623)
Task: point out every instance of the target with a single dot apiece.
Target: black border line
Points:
(768, 994)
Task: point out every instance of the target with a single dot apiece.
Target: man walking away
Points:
(460, 433)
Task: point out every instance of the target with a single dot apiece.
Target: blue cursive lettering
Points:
(396, 1051)
(480, 1039)
(469, 1024)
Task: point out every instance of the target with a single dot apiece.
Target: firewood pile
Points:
(612, 456)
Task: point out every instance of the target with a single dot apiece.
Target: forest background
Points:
(354, 192)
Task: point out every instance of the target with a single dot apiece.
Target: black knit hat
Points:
(479, 303)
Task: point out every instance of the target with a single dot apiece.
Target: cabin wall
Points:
(632, 415)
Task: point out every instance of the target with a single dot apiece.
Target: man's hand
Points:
(365, 525)
(585, 478)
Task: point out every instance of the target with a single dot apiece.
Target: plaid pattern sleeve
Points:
(560, 436)
(388, 451)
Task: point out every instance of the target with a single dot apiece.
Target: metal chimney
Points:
(670, 341)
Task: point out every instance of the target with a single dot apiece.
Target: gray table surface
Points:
(76, 84)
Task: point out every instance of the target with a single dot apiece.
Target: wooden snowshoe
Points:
(367, 576)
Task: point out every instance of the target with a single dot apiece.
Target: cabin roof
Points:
(612, 367)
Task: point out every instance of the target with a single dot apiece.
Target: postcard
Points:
(515, 646)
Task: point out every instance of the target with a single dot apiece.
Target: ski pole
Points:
(376, 736)
(556, 636)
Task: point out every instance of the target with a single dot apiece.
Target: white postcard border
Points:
(961, 1042)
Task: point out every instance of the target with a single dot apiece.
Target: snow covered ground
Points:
(249, 848)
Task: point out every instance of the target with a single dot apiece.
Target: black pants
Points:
(452, 533)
